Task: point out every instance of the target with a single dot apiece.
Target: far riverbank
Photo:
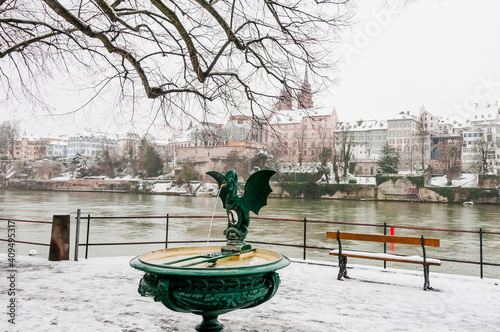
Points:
(388, 188)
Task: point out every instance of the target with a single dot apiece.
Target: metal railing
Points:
(12, 220)
(303, 246)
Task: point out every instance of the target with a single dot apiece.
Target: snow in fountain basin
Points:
(100, 294)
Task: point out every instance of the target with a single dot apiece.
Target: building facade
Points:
(298, 131)
(366, 138)
(57, 148)
(28, 148)
(89, 144)
(406, 134)
(481, 140)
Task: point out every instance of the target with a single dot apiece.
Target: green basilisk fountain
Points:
(210, 281)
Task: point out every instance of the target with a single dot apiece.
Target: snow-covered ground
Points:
(466, 180)
(100, 294)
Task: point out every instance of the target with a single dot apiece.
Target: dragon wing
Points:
(257, 189)
(219, 177)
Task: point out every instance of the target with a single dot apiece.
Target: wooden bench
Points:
(343, 254)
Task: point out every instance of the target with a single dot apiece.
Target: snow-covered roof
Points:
(92, 134)
(362, 125)
(404, 116)
(58, 143)
(296, 115)
(485, 112)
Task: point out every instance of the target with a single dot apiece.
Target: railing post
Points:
(385, 244)
(77, 235)
(88, 232)
(305, 238)
(481, 250)
(166, 232)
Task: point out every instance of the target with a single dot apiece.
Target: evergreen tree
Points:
(389, 160)
(153, 162)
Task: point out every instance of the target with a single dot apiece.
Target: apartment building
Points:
(406, 134)
(57, 148)
(28, 148)
(366, 138)
(482, 133)
(89, 144)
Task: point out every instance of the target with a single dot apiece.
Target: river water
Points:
(42, 205)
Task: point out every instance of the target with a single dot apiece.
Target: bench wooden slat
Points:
(384, 238)
(387, 257)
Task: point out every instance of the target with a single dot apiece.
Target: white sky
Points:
(442, 54)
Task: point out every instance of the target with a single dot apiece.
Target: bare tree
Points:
(180, 54)
(9, 133)
(343, 150)
(484, 152)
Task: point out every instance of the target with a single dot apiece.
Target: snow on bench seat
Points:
(386, 257)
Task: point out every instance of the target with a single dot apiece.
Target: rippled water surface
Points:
(42, 205)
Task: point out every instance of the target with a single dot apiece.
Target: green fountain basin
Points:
(208, 282)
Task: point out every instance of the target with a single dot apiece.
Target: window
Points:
(399, 141)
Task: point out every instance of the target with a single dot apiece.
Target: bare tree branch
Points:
(209, 55)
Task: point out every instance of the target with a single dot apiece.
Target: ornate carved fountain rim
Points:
(160, 262)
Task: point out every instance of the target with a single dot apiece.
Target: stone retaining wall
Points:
(71, 185)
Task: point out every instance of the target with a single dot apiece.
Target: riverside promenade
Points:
(100, 294)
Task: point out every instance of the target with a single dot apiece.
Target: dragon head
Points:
(230, 180)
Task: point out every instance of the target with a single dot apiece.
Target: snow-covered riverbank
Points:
(100, 294)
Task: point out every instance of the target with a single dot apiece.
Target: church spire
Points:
(285, 100)
(305, 95)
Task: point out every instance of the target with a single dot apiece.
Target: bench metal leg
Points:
(427, 284)
(342, 267)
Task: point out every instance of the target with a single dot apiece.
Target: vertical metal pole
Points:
(385, 244)
(88, 232)
(481, 250)
(166, 233)
(305, 238)
(77, 236)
